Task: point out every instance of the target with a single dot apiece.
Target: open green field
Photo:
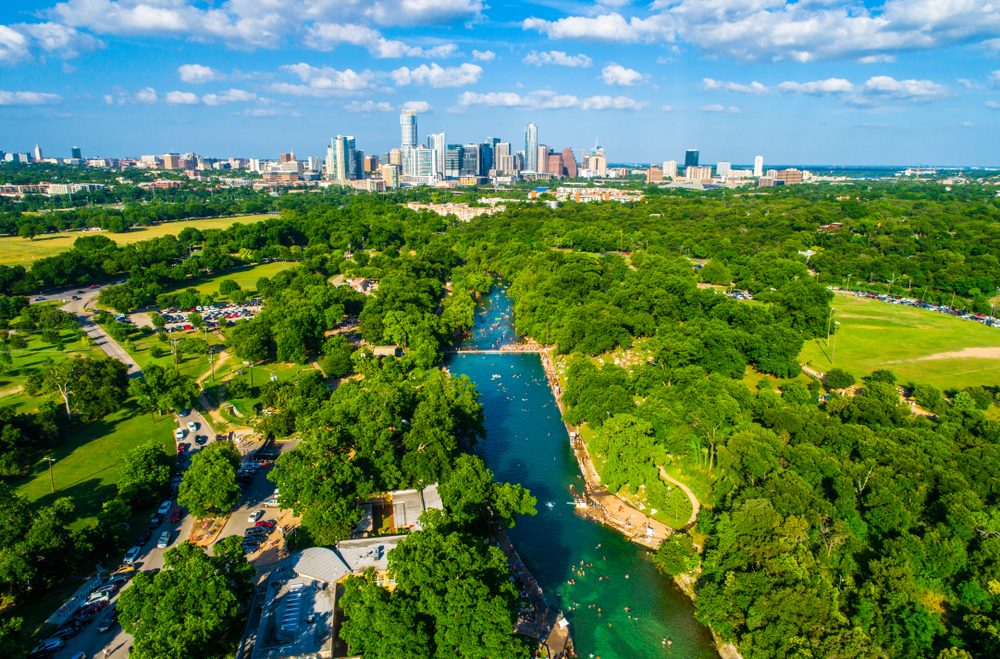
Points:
(21, 251)
(87, 465)
(918, 346)
(245, 277)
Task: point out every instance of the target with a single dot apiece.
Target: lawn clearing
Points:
(21, 251)
(245, 277)
(912, 343)
(87, 465)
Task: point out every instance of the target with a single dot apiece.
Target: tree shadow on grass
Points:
(88, 496)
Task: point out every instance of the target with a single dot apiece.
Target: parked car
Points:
(132, 554)
(143, 537)
(69, 631)
(179, 434)
(201, 440)
(125, 570)
(255, 531)
(192, 426)
(98, 596)
(109, 620)
(155, 521)
(39, 299)
(266, 524)
(48, 647)
(182, 447)
(94, 607)
(255, 516)
(164, 540)
(175, 515)
(76, 297)
(165, 507)
(272, 502)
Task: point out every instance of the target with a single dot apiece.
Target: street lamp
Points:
(829, 322)
(848, 283)
(52, 479)
(833, 354)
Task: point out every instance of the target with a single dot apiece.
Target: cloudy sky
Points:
(810, 82)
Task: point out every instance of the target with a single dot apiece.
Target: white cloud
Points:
(542, 99)
(612, 28)
(28, 98)
(437, 76)
(324, 81)
(734, 110)
(109, 99)
(828, 86)
(368, 106)
(558, 57)
(326, 36)
(711, 108)
(260, 112)
(147, 95)
(423, 107)
(68, 68)
(616, 74)
(484, 56)
(994, 79)
(877, 59)
(993, 105)
(753, 88)
(252, 24)
(667, 108)
(803, 30)
(17, 42)
(609, 103)
(876, 91)
(231, 96)
(181, 98)
(968, 84)
(197, 74)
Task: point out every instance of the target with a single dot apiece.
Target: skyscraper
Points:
(437, 144)
(724, 168)
(341, 159)
(38, 153)
(408, 123)
(569, 162)
(542, 159)
(74, 153)
(453, 161)
(470, 160)
(670, 169)
(531, 147)
(691, 158)
(758, 166)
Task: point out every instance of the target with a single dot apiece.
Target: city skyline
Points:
(888, 84)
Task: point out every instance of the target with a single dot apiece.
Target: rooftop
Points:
(297, 620)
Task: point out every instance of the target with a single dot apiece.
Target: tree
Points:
(10, 638)
(838, 379)
(196, 320)
(167, 388)
(676, 555)
(472, 499)
(209, 487)
(337, 356)
(227, 286)
(144, 474)
(192, 608)
(159, 322)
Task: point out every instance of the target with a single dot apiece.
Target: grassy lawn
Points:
(876, 335)
(245, 277)
(29, 360)
(21, 251)
(87, 464)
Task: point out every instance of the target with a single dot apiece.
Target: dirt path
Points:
(967, 353)
(695, 506)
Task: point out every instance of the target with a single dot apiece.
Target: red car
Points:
(175, 515)
(93, 608)
(187, 327)
(265, 523)
(182, 447)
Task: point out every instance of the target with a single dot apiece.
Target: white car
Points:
(192, 426)
(255, 516)
(179, 434)
(164, 540)
(165, 507)
(131, 555)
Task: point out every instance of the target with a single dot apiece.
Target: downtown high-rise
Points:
(531, 147)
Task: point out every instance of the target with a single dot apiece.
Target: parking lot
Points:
(212, 315)
(257, 490)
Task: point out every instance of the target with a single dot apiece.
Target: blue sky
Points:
(815, 82)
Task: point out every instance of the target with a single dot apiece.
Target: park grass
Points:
(876, 335)
(21, 251)
(245, 277)
(192, 366)
(88, 462)
(27, 361)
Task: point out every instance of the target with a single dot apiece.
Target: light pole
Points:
(848, 283)
(829, 322)
(833, 355)
(52, 479)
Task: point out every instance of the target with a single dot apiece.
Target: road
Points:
(101, 339)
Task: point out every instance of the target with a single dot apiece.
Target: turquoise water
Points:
(528, 444)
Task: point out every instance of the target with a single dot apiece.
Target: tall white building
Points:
(315, 164)
(437, 144)
(670, 169)
(531, 147)
(340, 159)
(724, 168)
(38, 153)
(758, 166)
(408, 124)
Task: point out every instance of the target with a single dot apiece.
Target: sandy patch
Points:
(975, 353)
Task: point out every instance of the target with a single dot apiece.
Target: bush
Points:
(982, 397)
(838, 379)
(927, 396)
(227, 286)
(157, 351)
(676, 555)
(238, 389)
(795, 393)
